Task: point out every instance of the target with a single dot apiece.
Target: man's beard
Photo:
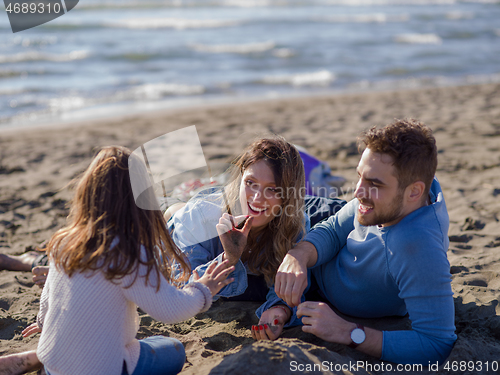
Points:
(393, 213)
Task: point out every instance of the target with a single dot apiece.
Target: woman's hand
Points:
(40, 274)
(215, 277)
(233, 239)
(30, 330)
(271, 323)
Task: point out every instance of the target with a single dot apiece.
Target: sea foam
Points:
(43, 56)
(459, 15)
(320, 78)
(366, 18)
(152, 91)
(257, 47)
(418, 39)
(171, 23)
(68, 103)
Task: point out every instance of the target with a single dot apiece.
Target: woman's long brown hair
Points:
(281, 234)
(103, 210)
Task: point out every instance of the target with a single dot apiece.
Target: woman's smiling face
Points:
(259, 195)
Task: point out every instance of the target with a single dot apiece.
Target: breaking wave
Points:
(320, 78)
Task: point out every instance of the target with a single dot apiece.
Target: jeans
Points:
(159, 356)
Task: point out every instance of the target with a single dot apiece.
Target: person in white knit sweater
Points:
(110, 258)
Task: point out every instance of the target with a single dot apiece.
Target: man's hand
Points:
(233, 239)
(291, 278)
(320, 320)
(271, 323)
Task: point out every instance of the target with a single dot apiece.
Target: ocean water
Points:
(107, 57)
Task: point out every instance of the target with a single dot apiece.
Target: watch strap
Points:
(353, 345)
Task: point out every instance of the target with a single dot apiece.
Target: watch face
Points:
(358, 336)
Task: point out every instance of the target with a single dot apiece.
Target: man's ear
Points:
(416, 190)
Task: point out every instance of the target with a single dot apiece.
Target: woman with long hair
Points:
(111, 257)
(251, 223)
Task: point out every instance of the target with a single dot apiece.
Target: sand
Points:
(36, 164)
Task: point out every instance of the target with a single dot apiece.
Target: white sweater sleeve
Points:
(44, 303)
(169, 304)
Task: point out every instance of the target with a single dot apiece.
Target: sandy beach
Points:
(37, 164)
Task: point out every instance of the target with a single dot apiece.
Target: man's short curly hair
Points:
(411, 145)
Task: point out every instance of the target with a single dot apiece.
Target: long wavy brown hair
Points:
(104, 211)
(271, 244)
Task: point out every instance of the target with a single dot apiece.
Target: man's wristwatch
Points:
(358, 336)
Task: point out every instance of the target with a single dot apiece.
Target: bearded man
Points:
(383, 254)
